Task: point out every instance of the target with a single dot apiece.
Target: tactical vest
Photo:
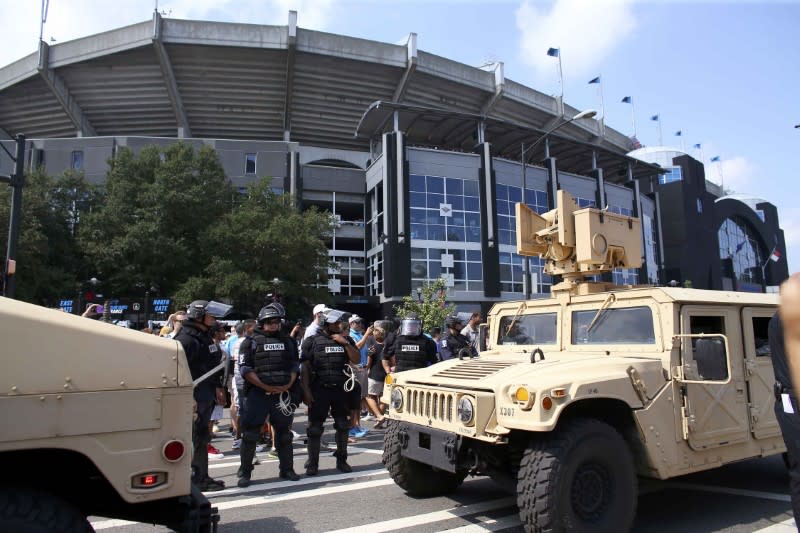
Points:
(410, 352)
(330, 358)
(269, 360)
(455, 343)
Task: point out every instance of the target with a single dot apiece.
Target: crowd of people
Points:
(336, 367)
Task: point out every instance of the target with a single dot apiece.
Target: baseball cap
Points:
(355, 318)
(320, 308)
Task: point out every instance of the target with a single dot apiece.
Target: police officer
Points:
(453, 344)
(203, 355)
(324, 363)
(787, 410)
(410, 349)
(268, 363)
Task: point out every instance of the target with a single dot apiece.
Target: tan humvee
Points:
(576, 395)
(97, 420)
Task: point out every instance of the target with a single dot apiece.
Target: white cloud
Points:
(586, 32)
(736, 174)
(72, 19)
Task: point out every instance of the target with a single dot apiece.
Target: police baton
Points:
(223, 365)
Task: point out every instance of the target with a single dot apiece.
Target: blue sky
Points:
(727, 74)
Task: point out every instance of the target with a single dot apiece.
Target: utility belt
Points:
(330, 386)
(780, 388)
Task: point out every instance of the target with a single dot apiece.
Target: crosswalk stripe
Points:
(258, 500)
(732, 491)
(255, 487)
(787, 526)
(351, 450)
(429, 518)
(490, 524)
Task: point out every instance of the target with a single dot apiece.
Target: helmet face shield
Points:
(218, 309)
(411, 327)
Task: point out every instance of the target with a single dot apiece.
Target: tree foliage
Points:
(265, 237)
(431, 307)
(47, 256)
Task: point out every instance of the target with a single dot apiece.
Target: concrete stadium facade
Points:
(416, 155)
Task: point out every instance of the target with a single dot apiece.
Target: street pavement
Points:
(751, 496)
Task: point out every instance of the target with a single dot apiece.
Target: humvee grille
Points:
(433, 405)
(474, 370)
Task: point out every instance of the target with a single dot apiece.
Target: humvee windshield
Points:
(630, 325)
(528, 329)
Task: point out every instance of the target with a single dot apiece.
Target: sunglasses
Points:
(273, 321)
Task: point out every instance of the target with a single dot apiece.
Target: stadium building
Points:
(418, 157)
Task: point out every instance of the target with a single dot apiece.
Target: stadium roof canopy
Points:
(173, 78)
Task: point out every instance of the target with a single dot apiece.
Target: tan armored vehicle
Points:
(97, 421)
(576, 395)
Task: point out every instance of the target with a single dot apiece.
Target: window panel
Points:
(417, 199)
(475, 271)
(434, 200)
(455, 233)
(417, 183)
(471, 204)
(435, 185)
(473, 255)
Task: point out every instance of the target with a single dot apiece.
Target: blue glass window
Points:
(435, 184)
(471, 188)
(417, 183)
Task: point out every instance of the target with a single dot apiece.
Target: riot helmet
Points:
(411, 326)
(200, 308)
(331, 316)
(453, 321)
(273, 310)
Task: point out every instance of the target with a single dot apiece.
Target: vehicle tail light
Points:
(149, 480)
(174, 450)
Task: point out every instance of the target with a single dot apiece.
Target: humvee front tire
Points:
(38, 512)
(416, 478)
(578, 478)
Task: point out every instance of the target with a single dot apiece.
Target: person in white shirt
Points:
(470, 331)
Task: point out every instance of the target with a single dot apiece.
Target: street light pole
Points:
(589, 113)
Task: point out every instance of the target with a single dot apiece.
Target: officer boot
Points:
(314, 433)
(341, 449)
(286, 456)
(246, 453)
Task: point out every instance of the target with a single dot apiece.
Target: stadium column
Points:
(397, 244)
(637, 213)
(489, 242)
(293, 183)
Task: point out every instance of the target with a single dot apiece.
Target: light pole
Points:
(588, 113)
(419, 294)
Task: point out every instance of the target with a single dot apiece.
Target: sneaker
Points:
(364, 413)
(215, 428)
(237, 443)
(354, 431)
(296, 435)
(211, 485)
(214, 453)
(360, 432)
(262, 448)
(273, 453)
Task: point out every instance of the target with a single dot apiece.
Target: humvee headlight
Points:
(524, 398)
(466, 411)
(397, 399)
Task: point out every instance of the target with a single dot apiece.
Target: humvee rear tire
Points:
(416, 478)
(579, 478)
(38, 512)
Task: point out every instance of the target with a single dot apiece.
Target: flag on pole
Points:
(697, 146)
(553, 52)
(715, 159)
(595, 80)
(635, 142)
(775, 255)
(678, 133)
(627, 100)
(654, 117)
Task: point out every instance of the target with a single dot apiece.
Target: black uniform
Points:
(202, 355)
(273, 358)
(327, 360)
(788, 422)
(411, 352)
(451, 345)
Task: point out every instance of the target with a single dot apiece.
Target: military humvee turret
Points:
(576, 395)
(97, 421)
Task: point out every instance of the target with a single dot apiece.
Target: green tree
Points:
(158, 212)
(48, 260)
(263, 238)
(432, 309)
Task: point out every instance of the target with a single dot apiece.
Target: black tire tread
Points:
(32, 510)
(415, 478)
(539, 470)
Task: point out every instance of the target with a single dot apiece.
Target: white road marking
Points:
(429, 518)
(727, 490)
(259, 500)
(490, 524)
(787, 526)
(263, 457)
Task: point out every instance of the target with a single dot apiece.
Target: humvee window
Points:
(760, 335)
(630, 325)
(528, 329)
(709, 356)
